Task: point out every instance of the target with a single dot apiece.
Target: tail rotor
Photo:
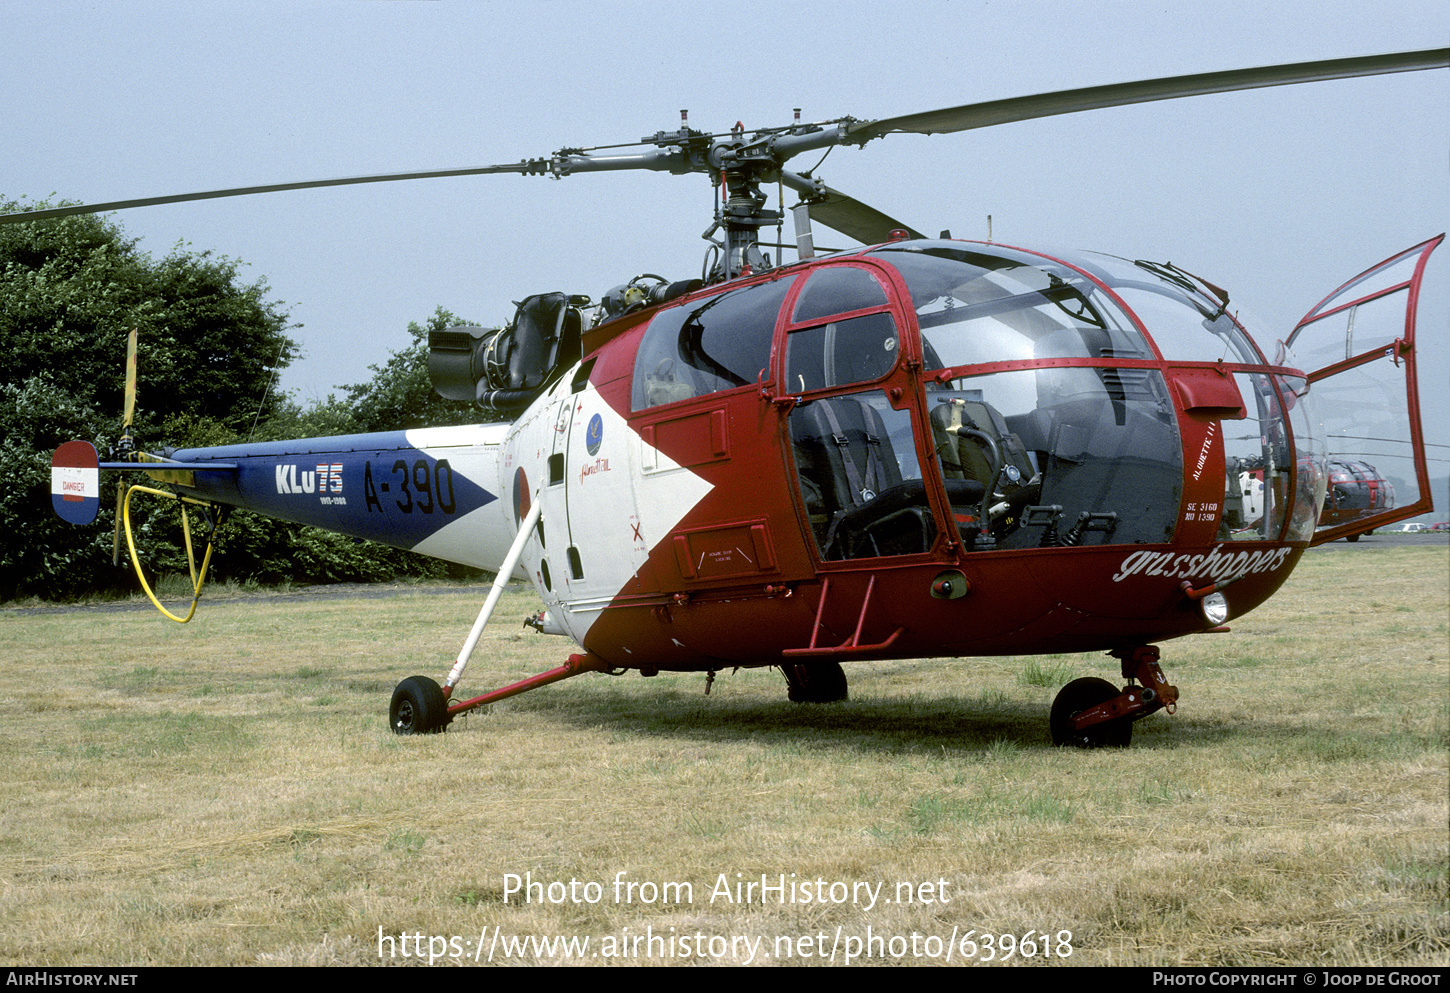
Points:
(125, 447)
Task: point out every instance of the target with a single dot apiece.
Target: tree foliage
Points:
(400, 396)
(72, 289)
(70, 292)
(211, 345)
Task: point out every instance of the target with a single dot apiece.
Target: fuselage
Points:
(924, 449)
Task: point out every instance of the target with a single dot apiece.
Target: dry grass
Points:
(227, 792)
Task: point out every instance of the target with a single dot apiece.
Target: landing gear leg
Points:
(1093, 713)
(421, 706)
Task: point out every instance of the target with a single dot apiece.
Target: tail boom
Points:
(433, 491)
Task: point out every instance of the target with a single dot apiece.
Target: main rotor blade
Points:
(993, 112)
(855, 219)
(242, 191)
(843, 213)
(839, 211)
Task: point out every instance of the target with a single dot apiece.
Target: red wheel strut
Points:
(576, 665)
(1155, 693)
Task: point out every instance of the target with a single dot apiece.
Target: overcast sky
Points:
(1278, 195)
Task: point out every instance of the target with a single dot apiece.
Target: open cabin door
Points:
(1360, 343)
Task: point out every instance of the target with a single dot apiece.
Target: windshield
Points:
(1186, 323)
(975, 307)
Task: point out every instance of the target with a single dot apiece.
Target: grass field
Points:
(228, 793)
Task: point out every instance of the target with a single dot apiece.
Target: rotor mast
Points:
(744, 165)
(741, 211)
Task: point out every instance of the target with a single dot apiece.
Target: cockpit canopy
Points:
(1044, 392)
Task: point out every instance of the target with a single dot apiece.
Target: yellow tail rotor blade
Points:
(125, 443)
(130, 378)
(116, 538)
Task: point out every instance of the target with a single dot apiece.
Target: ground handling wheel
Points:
(1084, 694)
(815, 682)
(418, 707)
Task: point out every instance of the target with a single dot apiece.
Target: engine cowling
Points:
(503, 369)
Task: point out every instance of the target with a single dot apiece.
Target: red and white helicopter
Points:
(921, 448)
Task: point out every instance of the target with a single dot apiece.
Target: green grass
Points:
(1051, 671)
(227, 792)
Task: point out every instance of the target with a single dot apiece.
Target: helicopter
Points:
(1352, 487)
(920, 448)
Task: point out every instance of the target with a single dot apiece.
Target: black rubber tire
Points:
(418, 707)
(815, 682)
(1084, 694)
(1351, 537)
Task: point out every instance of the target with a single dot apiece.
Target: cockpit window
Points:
(821, 353)
(1186, 325)
(838, 290)
(860, 481)
(708, 345)
(1060, 456)
(975, 307)
(856, 350)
